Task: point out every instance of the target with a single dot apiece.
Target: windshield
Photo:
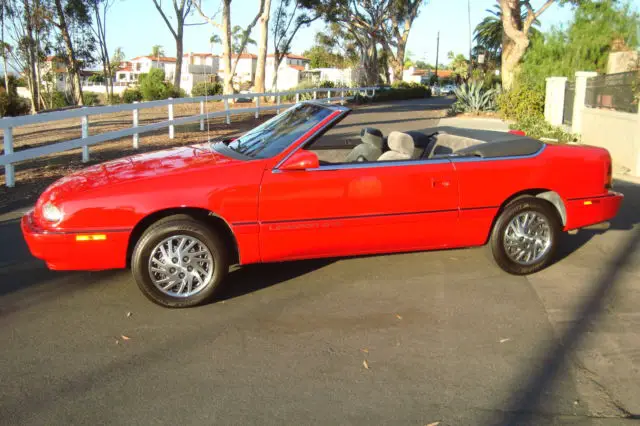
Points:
(275, 135)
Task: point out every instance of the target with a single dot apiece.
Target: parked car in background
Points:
(448, 89)
(286, 190)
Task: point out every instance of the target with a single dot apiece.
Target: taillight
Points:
(609, 178)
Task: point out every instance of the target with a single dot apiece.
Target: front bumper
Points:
(584, 212)
(76, 250)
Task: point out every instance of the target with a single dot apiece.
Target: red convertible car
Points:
(284, 191)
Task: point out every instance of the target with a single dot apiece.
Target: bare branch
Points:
(164, 17)
(210, 20)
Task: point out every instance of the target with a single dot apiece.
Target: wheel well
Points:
(551, 197)
(201, 215)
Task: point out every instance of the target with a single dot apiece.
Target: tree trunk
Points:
(259, 86)
(32, 58)
(179, 48)
(73, 70)
(226, 44)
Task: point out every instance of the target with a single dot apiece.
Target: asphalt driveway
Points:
(400, 339)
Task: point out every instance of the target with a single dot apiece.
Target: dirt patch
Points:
(485, 114)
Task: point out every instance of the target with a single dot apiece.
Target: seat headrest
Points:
(372, 136)
(401, 142)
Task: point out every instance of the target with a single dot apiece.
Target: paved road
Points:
(402, 339)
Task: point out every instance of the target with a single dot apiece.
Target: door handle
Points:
(437, 183)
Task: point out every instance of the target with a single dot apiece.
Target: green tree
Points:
(488, 33)
(583, 46)
(239, 35)
(153, 85)
(459, 66)
(408, 60)
(157, 50)
(423, 65)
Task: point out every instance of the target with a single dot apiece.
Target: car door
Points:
(357, 208)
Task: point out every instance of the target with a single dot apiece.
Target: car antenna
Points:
(206, 95)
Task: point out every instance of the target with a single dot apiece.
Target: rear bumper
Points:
(584, 212)
(65, 251)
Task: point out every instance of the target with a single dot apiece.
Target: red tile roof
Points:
(290, 56)
(199, 54)
(245, 56)
(153, 58)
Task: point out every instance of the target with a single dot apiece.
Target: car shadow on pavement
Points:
(626, 219)
(528, 399)
(251, 278)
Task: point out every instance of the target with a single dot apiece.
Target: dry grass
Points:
(33, 176)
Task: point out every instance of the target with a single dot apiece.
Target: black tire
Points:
(175, 226)
(515, 208)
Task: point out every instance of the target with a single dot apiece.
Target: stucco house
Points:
(246, 69)
(130, 71)
(289, 71)
(198, 68)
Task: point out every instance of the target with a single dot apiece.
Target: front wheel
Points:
(525, 236)
(179, 263)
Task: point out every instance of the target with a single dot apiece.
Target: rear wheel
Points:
(525, 236)
(179, 262)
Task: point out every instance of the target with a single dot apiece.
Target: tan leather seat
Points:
(401, 147)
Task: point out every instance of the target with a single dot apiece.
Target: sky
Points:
(135, 25)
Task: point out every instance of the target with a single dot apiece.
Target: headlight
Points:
(51, 213)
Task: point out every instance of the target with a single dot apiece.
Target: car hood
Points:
(137, 167)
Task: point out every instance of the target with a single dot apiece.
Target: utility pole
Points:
(437, 51)
(470, 33)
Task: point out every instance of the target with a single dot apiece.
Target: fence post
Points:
(328, 96)
(258, 106)
(315, 95)
(578, 102)
(278, 104)
(136, 136)
(9, 171)
(172, 130)
(202, 113)
(554, 100)
(85, 134)
(226, 108)
(374, 91)
(297, 97)
(342, 96)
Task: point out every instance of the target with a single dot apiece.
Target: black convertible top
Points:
(496, 144)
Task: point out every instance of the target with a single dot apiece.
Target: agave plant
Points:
(474, 99)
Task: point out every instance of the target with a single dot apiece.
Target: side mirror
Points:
(301, 160)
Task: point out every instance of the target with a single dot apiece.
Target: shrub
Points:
(90, 98)
(326, 84)
(11, 105)
(131, 95)
(153, 86)
(56, 99)
(173, 92)
(521, 102)
(206, 89)
(472, 98)
(397, 94)
(536, 127)
(400, 84)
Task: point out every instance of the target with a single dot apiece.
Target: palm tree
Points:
(157, 51)
(238, 35)
(488, 33)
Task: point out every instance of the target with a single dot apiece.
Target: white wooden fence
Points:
(7, 124)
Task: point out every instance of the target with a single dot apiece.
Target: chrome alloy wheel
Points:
(181, 266)
(527, 238)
